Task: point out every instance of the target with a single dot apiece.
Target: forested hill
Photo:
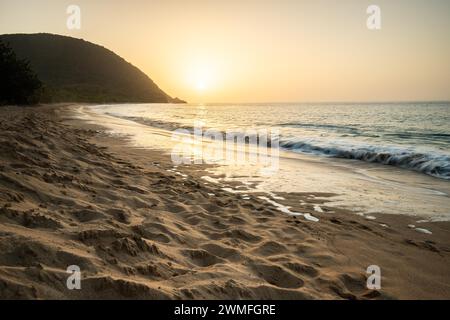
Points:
(74, 70)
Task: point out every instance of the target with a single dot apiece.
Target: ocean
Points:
(377, 157)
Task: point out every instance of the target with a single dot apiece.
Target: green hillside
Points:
(74, 70)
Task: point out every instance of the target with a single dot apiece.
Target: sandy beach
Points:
(71, 194)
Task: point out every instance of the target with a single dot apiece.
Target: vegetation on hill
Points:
(18, 83)
(74, 70)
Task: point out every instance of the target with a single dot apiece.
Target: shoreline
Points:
(360, 186)
(72, 194)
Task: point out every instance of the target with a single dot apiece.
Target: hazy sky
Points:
(264, 51)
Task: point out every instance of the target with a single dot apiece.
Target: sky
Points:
(263, 50)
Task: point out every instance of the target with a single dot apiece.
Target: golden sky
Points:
(264, 50)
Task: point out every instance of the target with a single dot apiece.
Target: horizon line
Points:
(326, 102)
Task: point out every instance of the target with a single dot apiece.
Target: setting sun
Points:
(201, 85)
(202, 76)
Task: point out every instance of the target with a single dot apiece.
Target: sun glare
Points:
(201, 85)
(202, 76)
(202, 79)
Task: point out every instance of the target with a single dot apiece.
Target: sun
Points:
(202, 76)
(201, 85)
(202, 79)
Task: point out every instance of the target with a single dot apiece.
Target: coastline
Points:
(72, 194)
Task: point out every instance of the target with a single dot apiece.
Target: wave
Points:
(334, 127)
(433, 164)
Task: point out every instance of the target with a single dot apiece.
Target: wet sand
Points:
(70, 194)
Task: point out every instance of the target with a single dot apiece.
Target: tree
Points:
(18, 83)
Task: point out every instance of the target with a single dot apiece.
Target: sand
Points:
(70, 194)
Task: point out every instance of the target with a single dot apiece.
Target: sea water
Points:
(377, 157)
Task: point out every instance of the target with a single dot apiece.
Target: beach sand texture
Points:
(72, 195)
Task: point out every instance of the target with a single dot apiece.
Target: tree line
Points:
(19, 85)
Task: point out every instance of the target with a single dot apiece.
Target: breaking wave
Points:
(431, 163)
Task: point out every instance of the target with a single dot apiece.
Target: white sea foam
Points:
(422, 230)
(287, 210)
(317, 208)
